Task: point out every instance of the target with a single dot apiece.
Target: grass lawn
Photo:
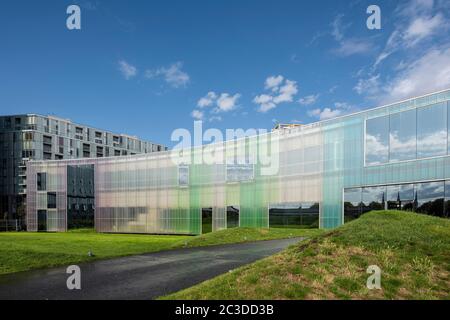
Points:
(412, 250)
(20, 251)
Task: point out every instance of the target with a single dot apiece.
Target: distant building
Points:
(35, 137)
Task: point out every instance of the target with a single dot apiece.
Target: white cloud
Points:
(324, 114)
(128, 71)
(265, 102)
(227, 102)
(273, 83)
(286, 92)
(282, 90)
(370, 86)
(223, 102)
(309, 100)
(417, 23)
(348, 46)
(207, 100)
(340, 108)
(197, 114)
(423, 27)
(173, 75)
(430, 72)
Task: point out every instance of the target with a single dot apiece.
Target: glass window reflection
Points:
(432, 131)
(377, 140)
(403, 136)
(401, 197)
(373, 198)
(352, 204)
(430, 198)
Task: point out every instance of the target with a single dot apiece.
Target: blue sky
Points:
(149, 67)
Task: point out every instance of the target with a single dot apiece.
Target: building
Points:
(35, 137)
(320, 174)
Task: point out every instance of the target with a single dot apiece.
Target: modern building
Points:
(320, 174)
(35, 137)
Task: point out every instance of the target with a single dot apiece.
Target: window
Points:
(240, 172)
(402, 137)
(352, 204)
(432, 131)
(373, 198)
(430, 198)
(401, 197)
(28, 136)
(51, 200)
(294, 215)
(377, 140)
(233, 217)
(183, 176)
(41, 181)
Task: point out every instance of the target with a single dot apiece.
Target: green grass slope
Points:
(21, 251)
(413, 252)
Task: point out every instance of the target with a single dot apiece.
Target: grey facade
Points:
(36, 137)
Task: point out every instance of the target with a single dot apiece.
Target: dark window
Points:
(294, 215)
(352, 204)
(430, 198)
(206, 220)
(41, 181)
(232, 217)
(51, 200)
(373, 198)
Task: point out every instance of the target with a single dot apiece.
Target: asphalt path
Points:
(141, 277)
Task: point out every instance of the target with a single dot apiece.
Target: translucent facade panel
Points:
(377, 140)
(432, 131)
(403, 136)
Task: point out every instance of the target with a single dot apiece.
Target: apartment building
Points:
(35, 137)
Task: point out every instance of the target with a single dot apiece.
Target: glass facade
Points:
(394, 156)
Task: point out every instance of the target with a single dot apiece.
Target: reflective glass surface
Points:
(377, 140)
(373, 198)
(402, 136)
(432, 131)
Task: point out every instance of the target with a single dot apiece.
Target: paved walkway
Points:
(144, 276)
